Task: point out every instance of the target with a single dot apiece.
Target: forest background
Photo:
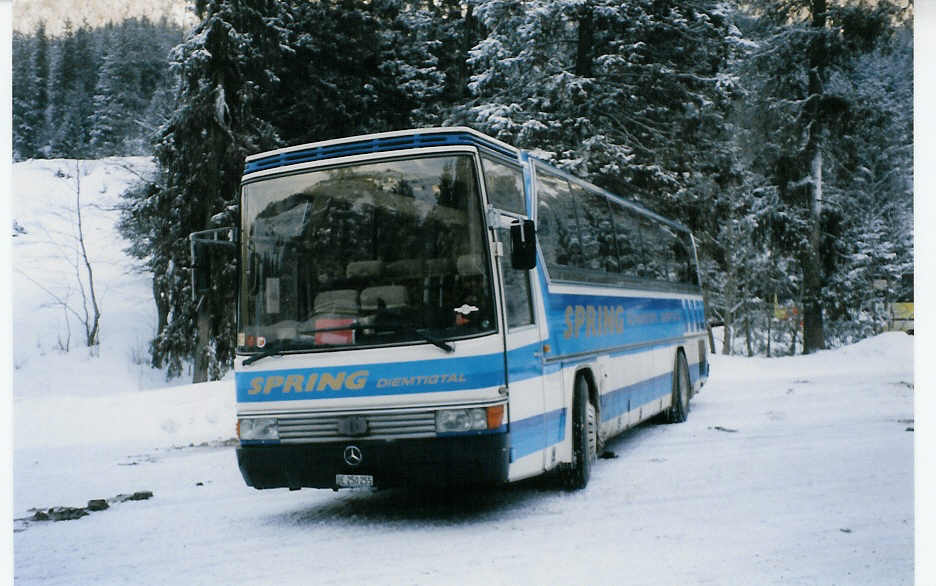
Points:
(780, 132)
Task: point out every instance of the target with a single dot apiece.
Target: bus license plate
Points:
(354, 481)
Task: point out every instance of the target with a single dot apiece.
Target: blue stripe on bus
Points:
(392, 378)
(422, 376)
(590, 323)
(536, 433)
(524, 363)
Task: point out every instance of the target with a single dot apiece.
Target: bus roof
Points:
(372, 143)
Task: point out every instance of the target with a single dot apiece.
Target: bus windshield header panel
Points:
(371, 254)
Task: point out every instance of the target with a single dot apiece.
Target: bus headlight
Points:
(257, 429)
(464, 420)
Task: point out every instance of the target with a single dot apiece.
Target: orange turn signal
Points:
(495, 416)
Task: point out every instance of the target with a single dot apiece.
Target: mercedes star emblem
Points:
(353, 455)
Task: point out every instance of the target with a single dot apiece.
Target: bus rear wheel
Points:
(584, 438)
(679, 410)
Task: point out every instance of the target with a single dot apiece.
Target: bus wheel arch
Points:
(593, 394)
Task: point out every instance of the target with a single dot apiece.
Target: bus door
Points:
(504, 183)
(524, 363)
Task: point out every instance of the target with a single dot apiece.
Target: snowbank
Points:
(890, 353)
(177, 416)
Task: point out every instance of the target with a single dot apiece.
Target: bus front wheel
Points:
(584, 437)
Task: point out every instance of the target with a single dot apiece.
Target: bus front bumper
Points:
(445, 461)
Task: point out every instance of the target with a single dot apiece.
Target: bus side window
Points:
(657, 251)
(504, 185)
(686, 260)
(558, 227)
(629, 245)
(597, 231)
(671, 257)
(516, 287)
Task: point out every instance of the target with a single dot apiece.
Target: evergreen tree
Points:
(635, 96)
(225, 69)
(601, 87)
(454, 31)
(359, 67)
(871, 173)
(108, 122)
(25, 118)
(103, 96)
(40, 107)
(62, 85)
(74, 79)
(805, 51)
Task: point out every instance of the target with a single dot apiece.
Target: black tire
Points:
(682, 390)
(584, 438)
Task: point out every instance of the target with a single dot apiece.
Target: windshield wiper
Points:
(425, 335)
(273, 348)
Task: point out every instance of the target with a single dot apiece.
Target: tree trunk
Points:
(586, 40)
(162, 320)
(794, 330)
(200, 370)
(747, 335)
(726, 338)
(813, 333)
(769, 323)
(92, 325)
(470, 36)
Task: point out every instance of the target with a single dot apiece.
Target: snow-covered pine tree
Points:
(603, 88)
(456, 31)
(798, 78)
(524, 87)
(62, 83)
(72, 89)
(358, 67)
(871, 173)
(108, 121)
(635, 96)
(410, 84)
(134, 68)
(226, 70)
(40, 106)
(24, 109)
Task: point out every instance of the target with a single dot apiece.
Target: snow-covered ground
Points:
(795, 470)
(789, 471)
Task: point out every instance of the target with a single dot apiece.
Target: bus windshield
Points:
(378, 253)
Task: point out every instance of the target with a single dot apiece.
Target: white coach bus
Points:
(438, 307)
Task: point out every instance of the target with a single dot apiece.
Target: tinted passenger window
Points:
(658, 252)
(504, 185)
(516, 287)
(596, 231)
(627, 235)
(685, 260)
(557, 226)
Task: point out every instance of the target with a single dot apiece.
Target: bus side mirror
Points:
(523, 245)
(201, 269)
(202, 245)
